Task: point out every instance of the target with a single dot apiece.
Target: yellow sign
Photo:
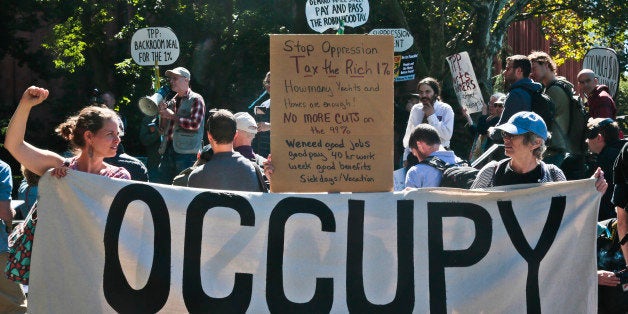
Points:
(332, 113)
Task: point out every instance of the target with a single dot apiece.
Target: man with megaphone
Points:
(181, 124)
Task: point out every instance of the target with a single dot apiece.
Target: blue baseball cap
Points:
(524, 122)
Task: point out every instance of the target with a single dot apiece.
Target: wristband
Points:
(623, 240)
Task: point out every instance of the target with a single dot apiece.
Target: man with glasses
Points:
(599, 100)
(181, 123)
(490, 116)
(603, 141)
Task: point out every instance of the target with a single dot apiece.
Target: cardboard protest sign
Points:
(465, 84)
(604, 63)
(325, 14)
(332, 113)
(154, 45)
(105, 246)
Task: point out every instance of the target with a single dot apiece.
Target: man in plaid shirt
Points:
(182, 123)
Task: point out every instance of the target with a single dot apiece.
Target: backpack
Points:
(458, 175)
(578, 118)
(542, 105)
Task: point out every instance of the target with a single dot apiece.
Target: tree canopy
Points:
(225, 42)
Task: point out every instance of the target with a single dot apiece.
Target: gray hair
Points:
(530, 138)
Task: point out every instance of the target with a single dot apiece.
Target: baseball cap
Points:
(524, 122)
(180, 71)
(245, 122)
(500, 100)
(595, 125)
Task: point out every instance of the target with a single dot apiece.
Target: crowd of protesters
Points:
(175, 153)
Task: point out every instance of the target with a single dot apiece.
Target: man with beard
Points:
(425, 143)
(432, 111)
(181, 123)
(517, 75)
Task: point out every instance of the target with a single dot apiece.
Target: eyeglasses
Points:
(508, 136)
(498, 105)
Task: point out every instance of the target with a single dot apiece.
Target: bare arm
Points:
(6, 213)
(35, 159)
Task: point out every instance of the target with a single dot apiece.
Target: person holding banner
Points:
(432, 111)
(599, 100)
(94, 133)
(604, 142)
(524, 137)
(181, 123)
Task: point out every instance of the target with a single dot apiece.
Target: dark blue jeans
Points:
(172, 163)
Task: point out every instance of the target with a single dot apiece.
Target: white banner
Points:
(106, 245)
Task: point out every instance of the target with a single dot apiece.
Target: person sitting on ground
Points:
(603, 141)
(425, 144)
(227, 169)
(524, 137)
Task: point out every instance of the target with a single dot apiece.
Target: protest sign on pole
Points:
(404, 63)
(404, 67)
(465, 84)
(154, 45)
(332, 113)
(403, 38)
(604, 63)
(322, 15)
(118, 246)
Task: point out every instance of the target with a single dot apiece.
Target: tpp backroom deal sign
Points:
(154, 46)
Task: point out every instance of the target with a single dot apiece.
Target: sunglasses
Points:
(498, 105)
(508, 136)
